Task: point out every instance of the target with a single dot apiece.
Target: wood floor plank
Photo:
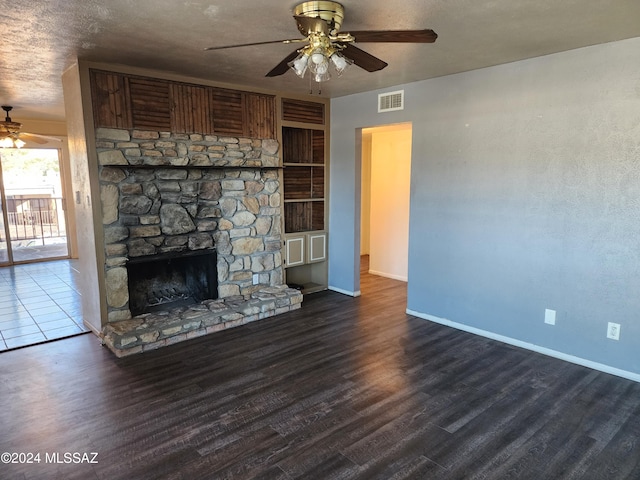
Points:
(344, 387)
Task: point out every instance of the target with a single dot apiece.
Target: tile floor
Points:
(39, 302)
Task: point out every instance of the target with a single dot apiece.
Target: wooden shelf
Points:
(312, 287)
(304, 178)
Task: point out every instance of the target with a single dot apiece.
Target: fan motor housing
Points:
(7, 128)
(330, 12)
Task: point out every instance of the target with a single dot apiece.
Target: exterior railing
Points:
(35, 217)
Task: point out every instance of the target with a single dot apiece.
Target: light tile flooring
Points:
(39, 302)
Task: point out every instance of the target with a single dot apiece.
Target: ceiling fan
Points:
(11, 137)
(319, 22)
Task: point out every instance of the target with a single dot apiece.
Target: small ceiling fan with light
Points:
(12, 137)
(319, 22)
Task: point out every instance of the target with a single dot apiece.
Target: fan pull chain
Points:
(311, 80)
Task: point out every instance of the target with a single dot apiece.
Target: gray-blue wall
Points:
(525, 195)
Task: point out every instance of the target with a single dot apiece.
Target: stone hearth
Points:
(154, 330)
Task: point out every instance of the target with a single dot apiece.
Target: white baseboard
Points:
(529, 346)
(344, 292)
(388, 275)
(92, 328)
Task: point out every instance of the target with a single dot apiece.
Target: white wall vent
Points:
(388, 102)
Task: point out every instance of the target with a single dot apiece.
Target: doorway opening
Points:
(33, 223)
(40, 300)
(386, 177)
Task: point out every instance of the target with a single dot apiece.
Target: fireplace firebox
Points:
(166, 281)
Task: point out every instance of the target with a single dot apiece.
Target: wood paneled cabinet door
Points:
(129, 101)
(316, 247)
(301, 249)
(294, 250)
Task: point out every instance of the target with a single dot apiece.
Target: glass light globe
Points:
(322, 68)
(299, 65)
(317, 58)
(340, 62)
(322, 77)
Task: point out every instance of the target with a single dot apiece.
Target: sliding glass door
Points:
(34, 226)
(5, 258)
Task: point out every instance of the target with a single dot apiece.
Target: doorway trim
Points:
(359, 177)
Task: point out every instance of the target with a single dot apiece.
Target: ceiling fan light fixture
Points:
(10, 133)
(319, 63)
(319, 22)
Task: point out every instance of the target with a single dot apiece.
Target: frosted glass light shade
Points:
(322, 77)
(340, 62)
(299, 64)
(317, 57)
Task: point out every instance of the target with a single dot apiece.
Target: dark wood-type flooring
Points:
(343, 388)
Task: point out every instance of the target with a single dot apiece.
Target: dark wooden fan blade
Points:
(363, 59)
(282, 67)
(307, 25)
(252, 44)
(395, 36)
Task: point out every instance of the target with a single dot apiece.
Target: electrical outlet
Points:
(256, 279)
(550, 316)
(613, 331)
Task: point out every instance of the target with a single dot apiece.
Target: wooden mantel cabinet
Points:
(129, 101)
(304, 156)
(125, 101)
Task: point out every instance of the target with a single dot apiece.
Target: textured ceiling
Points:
(40, 39)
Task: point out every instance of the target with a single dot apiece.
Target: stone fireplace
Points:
(172, 198)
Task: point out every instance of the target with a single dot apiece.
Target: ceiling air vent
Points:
(388, 102)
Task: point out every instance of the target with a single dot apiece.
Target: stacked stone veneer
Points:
(162, 193)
